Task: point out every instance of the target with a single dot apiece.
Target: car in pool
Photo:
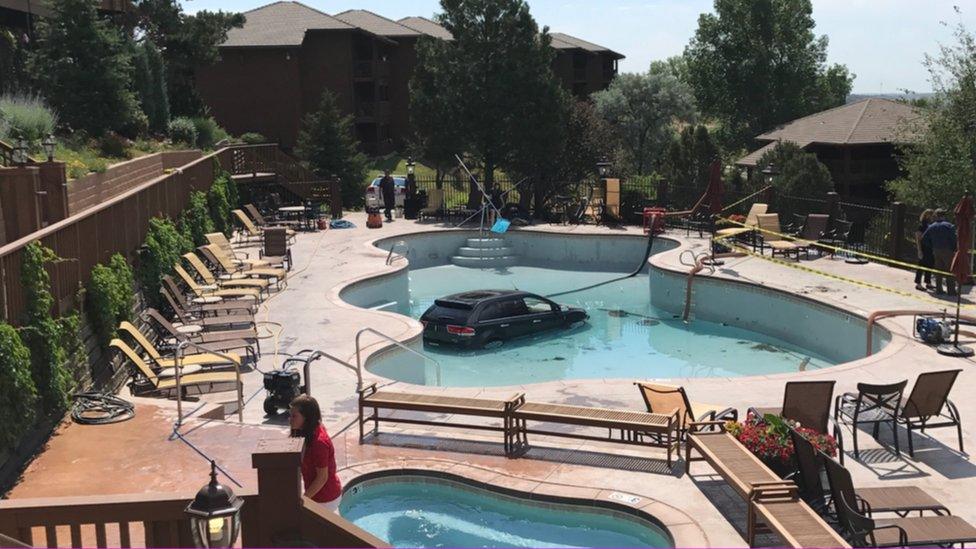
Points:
(374, 196)
(488, 318)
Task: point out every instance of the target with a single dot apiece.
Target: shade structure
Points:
(962, 265)
(716, 187)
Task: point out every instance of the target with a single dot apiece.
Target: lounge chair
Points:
(250, 232)
(751, 222)
(837, 236)
(930, 399)
(219, 240)
(144, 375)
(435, 205)
(207, 306)
(276, 244)
(872, 405)
(216, 256)
(808, 403)
(769, 237)
(209, 279)
(263, 223)
(223, 321)
(900, 500)
(220, 341)
(664, 399)
(193, 359)
(814, 228)
(865, 531)
(209, 291)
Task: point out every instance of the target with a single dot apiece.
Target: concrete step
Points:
(486, 242)
(484, 263)
(485, 252)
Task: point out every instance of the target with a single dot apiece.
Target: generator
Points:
(932, 330)
(282, 387)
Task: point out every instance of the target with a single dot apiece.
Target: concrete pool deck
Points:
(85, 460)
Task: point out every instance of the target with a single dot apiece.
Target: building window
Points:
(384, 91)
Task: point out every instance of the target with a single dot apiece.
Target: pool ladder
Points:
(359, 353)
(390, 257)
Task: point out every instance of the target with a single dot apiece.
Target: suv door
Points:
(539, 314)
(501, 318)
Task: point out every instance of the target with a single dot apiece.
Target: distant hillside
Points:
(855, 97)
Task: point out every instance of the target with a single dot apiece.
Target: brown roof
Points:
(375, 24)
(281, 24)
(563, 41)
(753, 158)
(426, 26)
(865, 122)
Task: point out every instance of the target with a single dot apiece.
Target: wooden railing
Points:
(6, 154)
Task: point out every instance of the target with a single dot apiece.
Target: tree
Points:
(13, 61)
(186, 42)
(940, 164)
(83, 66)
(150, 83)
(641, 110)
(676, 65)
(754, 64)
(800, 173)
(326, 144)
(687, 164)
(437, 130)
(494, 80)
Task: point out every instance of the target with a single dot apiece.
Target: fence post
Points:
(54, 182)
(662, 193)
(897, 228)
(19, 195)
(832, 199)
(277, 508)
(335, 198)
(769, 196)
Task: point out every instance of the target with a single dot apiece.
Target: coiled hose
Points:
(94, 408)
(640, 267)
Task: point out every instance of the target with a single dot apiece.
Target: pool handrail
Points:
(359, 361)
(389, 257)
(178, 363)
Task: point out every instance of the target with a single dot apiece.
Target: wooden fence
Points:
(117, 225)
(93, 189)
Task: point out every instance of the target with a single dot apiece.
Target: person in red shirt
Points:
(318, 454)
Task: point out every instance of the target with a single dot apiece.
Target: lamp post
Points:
(603, 167)
(770, 172)
(215, 514)
(49, 143)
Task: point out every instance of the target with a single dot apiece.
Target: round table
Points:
(298, 214)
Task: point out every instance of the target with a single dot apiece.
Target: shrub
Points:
(114, 145)
(26, 116)
(18, 395)
(182, 131)
(109, 297)
(253, 138)
(218, 202)
(208, 132)
(162, 249)
(195, 221)
(768, 437)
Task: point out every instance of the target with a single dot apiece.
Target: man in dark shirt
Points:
(940, 236)
(387, 187)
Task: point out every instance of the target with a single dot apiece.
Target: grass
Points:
(397, 166)
(83, 158)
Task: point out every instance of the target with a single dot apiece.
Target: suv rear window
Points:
(450, 315)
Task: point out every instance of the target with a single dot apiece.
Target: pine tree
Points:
(159, 117)
(327, 145)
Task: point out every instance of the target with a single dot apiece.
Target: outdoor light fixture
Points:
(770, 171)
(49, 145)
(410, 165)
(603, 167)
(215, 514)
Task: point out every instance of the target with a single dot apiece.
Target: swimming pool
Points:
(634, 330)
(428, 511)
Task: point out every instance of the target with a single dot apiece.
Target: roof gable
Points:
(281, 24)
(426, 26)
(869, 121)
(563, 41)
(375, 24)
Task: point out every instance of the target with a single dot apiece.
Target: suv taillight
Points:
(462, 331)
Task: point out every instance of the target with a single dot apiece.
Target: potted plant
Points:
(768, 437)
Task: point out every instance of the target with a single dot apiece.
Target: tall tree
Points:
(800, 173)
(687, 164)
(326, 144)
(757, 63)
(940, 165)
(642, 109)
(186, 42)
(83, 66)
(494, 78)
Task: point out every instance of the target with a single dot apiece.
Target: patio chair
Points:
(748, 232)
(210, 291)
(215, 340)
(218, 258)
(665, 399)
(435, 205)
(193, 359)
(158, 384)
(206, 306)
(865, 531)
(276, 245)
(871, 405)
(238, 256)
(814, 228)
(209, 279)
(808, 403)
(250, 233)
(900, 500)
(224, 319)
(261, 223)
(930, 399)
(837, 236)
(768, 236)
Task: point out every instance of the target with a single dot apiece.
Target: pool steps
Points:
(485, 253)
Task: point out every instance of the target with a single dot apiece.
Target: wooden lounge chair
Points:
(216, 256)
(771, 500)
(190, 359)
(145, 380)
(202, 291)
(751, 222)
(370, 398)
(929, 400)
(866, 531)
(209, 279)
(769, 237)
(664, 399)
(205, 306)
(808, 403)
(900, 500)
(221, 341)
(662, 430)
(435, 205)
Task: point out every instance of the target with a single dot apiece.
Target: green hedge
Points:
(109, 298)
(18, 394)
(163, 247)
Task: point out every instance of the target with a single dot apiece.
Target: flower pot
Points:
(323, 223)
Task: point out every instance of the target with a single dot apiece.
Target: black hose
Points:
(640, 267)
(94, 408)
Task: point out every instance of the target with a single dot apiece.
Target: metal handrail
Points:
(309, 359)
(180, 346)
(389, 256)
(359, 362)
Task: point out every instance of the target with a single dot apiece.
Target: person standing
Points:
(388, 188)
(941, 237)
(925, 258)
(319, 473)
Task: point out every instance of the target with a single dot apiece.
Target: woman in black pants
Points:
(926, 258)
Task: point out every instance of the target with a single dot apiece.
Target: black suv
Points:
(486, 318)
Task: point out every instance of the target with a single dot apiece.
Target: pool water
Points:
(420, 512)
(625, 336)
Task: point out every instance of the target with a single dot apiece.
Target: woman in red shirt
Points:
(318, 455)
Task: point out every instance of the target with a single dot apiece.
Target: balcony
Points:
(373, 109)
(367, 69)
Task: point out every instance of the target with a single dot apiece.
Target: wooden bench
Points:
(774, 504)
(370, 398)
(636, 428)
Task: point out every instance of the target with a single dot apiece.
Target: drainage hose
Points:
(640, 267)
(94, 408)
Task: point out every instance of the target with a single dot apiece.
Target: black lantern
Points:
(49, 145)
(410, 165)
(603, 167)
(770, 172)
(215, 514)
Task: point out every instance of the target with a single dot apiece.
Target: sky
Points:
(883, 42)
